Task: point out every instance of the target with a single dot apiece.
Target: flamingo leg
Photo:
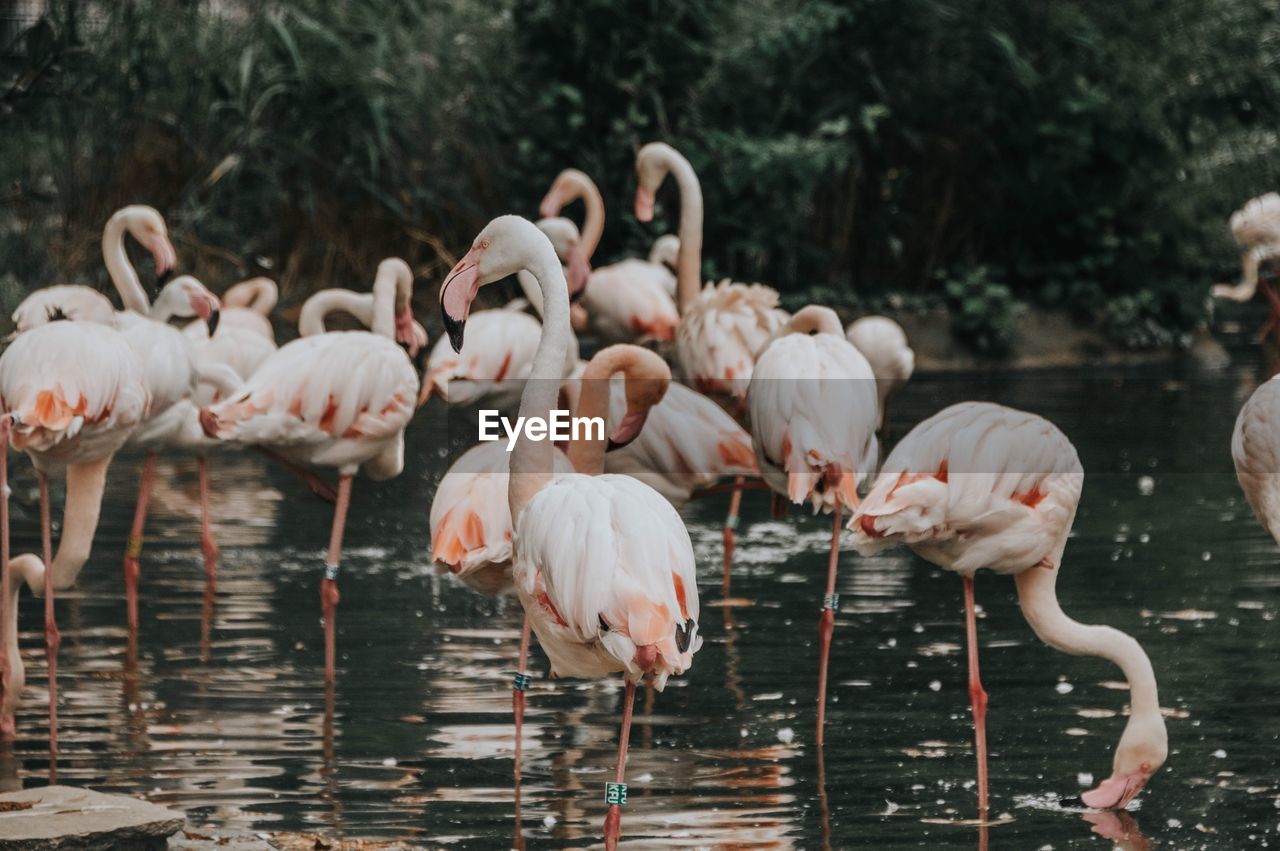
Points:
(613, 820)
(977, 696)
(8, 727)
(730, 531)
(52, 638)
(133, 548)
(827, 622)
(517, 708)
(329, 596)
(207, 544)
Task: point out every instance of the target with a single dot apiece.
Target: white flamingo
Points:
(1255, 449)
(813, 412)
(884, 344)
(979, 485)
(603, 564)
(631, 301)
(340, 399)
(1256, 228)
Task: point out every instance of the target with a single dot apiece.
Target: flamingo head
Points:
(1142, 750)
(665, 250)
(185, 298)
(647, 380)
(653, 163)
(507, 245)
(147, 226)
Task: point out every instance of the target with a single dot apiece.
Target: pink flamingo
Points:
(340, 399)
(981, 485)
(73, 392)
(493, 368)
(630, 301)
(884, 344)
(603, 564)
(1255, 449)
(812, 406)
(249, 304)
(1256, 228)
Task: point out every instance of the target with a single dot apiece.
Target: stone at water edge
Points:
(50, 817)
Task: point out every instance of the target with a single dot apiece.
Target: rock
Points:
(51, 817)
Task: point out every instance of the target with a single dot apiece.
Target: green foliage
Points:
(1090, 152)
(983, 311)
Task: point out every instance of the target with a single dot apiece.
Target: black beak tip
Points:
(454, 328)
(212, 321)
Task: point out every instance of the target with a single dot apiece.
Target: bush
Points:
(983, 312)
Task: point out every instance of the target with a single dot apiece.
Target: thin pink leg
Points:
(827, 622)
(317, 485)
(207, 544)
(613, 819)
(730, 532)
(329, 597)
(517, 708)
(52, 638)
(977, 696)
(8, 725)
(133, 548)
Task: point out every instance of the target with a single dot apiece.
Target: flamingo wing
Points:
(976, 485)
(498, 349)
(1255, 449)
(604, 567)
(721, 332)
(629, 302)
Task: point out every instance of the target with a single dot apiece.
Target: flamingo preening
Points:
(813, 411)
(884, 344)
(979, 485)
(339, 399)
(627, 302)
(603, 564)
(1256, 228)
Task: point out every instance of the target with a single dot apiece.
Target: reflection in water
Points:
(221, 708)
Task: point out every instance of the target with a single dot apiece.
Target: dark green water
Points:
(234, 731)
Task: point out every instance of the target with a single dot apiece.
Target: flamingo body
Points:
(720, 333)
(83, 304)
(1255, 449)
(631, 301)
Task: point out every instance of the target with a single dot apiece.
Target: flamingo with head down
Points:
(340, 399)
(627, 302)
(884, 344)
(812, 406)
(979, 485)
(603, 564)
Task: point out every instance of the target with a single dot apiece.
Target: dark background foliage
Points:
(972, 153)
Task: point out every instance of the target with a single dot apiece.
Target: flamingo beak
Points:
(644, 204)
(457, 293)
(208, 308)
(408, 333)
(628, 430)
(166, 258)
(551, 204)
(1116, 791)
(579, 272)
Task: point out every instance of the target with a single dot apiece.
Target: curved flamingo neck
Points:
(257, 294)
(122, 273)
(532, 461)
(586, 453)
(689, 258)
(815, 319)
(1037, 594)
(583, 187)
(392, 292)
(319, 306)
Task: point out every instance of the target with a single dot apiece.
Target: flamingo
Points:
(340, 399)
(627, 302)
(666, 251)
(249, 304)
(87, 304)
(172, 374)
(603, 564)
(981, 485)
(813, 409)
(73, 392)
(1255, 449)
(884, 344)
(1256, 228)
(503, 341)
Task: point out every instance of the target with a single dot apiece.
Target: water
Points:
(222, 710)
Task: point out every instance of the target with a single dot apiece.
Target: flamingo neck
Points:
(585, 188)
(122, 273)
(689, 258)
(586, 453)
(257, 294)
(320, 305)
(532, 461)
(815, 319)
(1037, 594)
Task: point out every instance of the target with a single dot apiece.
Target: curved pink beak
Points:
(628, 430)
(207, 307)
(1116, 791)
(579, 271)
(644, 204)
(457, 293)
(409, 334)
(551, 204)
(165, 256)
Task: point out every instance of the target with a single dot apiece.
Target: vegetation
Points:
(973, 153)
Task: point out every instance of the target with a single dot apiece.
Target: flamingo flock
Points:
(698, 387)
